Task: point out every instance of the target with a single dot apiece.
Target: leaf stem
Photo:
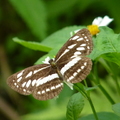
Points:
(106, 94)
(92, 106)
(87, 95)
(96, 80)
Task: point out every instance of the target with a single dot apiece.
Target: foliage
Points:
(47, 25)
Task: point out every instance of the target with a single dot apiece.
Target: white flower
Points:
(102, 21)
(46, 60)
(97, 22)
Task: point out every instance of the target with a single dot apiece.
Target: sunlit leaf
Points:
(75, 106)
(60, 37)
(105, 42)
(112, 57)
(33, 45)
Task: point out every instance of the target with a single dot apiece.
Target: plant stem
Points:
(87, 95)
(92, 106)
(106, 94)
(96, 80)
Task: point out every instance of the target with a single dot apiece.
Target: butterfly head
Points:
(53, 63)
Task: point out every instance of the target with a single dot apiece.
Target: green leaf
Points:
(105, 42)
(112, 57)
(116, 108)
(57, 39)
(75, 106)
(33, 13)
(91, 88)
(102, 116)
(33, 45)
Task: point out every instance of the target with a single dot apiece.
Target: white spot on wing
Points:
(29, 74)
(24, 90)
(75, 37)
(28, 83)
(82, 67)
(71, 46)
(46, 79)
(83, 45)
(38, 92)
(75, 73)
(80, 48)
(63, 54)
(85, 63)
(19, 79)
(59, 85)
(88, 47)
(47, 89)
(70, 78)
(79, 39)
(19, 74)
(69, 65)
(77, 53)
(33, 82)
(23, 85)
(15, 84)
(78, 70)
(52, 88)
(43, 92)
(35, 71)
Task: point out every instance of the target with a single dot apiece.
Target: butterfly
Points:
(45, 81)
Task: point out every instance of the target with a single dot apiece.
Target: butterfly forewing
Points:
(25, 81)
(78, 45)
(38, 80)
(72, 60)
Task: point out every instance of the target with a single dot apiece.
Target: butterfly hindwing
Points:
(49, 89)
(77, 69)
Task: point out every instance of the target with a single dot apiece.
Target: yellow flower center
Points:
(93, 29)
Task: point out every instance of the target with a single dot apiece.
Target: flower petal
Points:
(106, 20)
(46, 60)
(102, 21)
(97, 21)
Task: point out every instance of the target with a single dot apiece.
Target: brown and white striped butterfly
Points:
(45, 81)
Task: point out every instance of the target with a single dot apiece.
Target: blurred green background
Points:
(34, 20)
